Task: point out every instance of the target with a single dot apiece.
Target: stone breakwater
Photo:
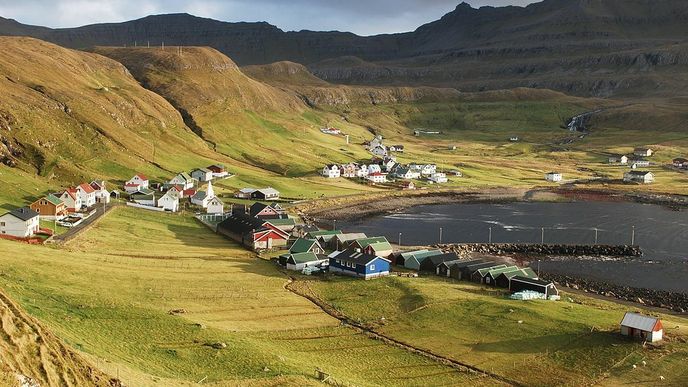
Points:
(677, 302)
(543, 249)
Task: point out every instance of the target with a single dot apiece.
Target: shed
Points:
(520, 283)
(453, 270)
(401, 257)
(643, 327)
(467, 271)
(417, 259)
(479, 275)
(491, 277)
(504, 279)
(431, 263)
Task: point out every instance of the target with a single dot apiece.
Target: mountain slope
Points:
(75, 115)
(586, 47)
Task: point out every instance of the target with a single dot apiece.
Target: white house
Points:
(169, 201)
(553, 177)
(623, 159)
(20, 222)
(438, 178)
(406, 173)
(102, 194)
(640, 163)
(71, 199)
(202, 174)
(643, 177)
(87, 195)
(362, 171)
(379, 150)
(202, 198)
(388, 164)
(183, 179)
(643, 152)
(376, 142)
(331, 171)
(137, 182)
(377, 177)
(428, 169)
(215, 206)
(374, 168)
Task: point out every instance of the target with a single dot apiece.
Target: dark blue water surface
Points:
(660, 232)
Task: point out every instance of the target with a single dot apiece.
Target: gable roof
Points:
(426, 254)
(248, 190)
(445, 257)
(315, 234)
(483, 271)
(350, 237)
(532, 281)
(204, 170)
(465, 263)
(24, 213)
(52, 199)
(282, 222)
(268, 191)
(200, 195)
(380, 246)
(87, 188)
(494, 273)
(140, 176)
(365, 242)
(305, 258)
(525, 272)
(239, 223)
(639, 173)
(409, 254)
(356, 257)
(302, 245)
(638, 321)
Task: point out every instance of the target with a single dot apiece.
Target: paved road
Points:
(74, 231)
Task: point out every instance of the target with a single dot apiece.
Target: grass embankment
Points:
(110, 291)
(534, 342)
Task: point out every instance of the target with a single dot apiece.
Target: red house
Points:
(250, 231)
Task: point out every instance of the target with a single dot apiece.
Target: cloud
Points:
(363, 17)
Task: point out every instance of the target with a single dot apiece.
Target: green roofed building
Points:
(303, 245)
(503, 279)
(479, 274)
(323, 236)
(299, 261)
(491, 276)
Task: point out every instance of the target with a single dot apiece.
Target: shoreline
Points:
(360, 207)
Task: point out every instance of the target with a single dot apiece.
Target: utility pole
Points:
(148, 44)
(632, 235)
(489, 239)
(440, 235)
(596, 231)
(542, 239)
(334, 225)
(538, 268)
(399, 239)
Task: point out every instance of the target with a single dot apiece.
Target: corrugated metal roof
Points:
(638, 321)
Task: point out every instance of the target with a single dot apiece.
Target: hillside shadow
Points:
(541, 344)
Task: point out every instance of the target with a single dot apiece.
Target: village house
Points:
(396, 148)
(639, 162)
(358, 264)
(349, 170)
(341, 241)
(379, 150)
(618, 159)
(643, 177)
(381, 249)
(144, 197)
(646, 328)
(245, 193)
(102, 194)
(70, 199)
(405, 173)
(388, 164)
(428, 169)
(643, 152)
(514, 139)
(202, 174)
(252, 232)
(169, 201)
(302, 245)
(680, 163)
(375, 142)
(362, 171)
(408, 185)
(21, 223)
(553, 177)
(300, 231)
(331, 171)
(265, 194)
(332, 131)
(377, 177)
(438, 178)
(300, 261)
(518, 284)
(265, 211)
(202, 198)
(137, 182)
(50, 207)
(87, 195)
(285, 224)
(215, 206)
(218, 170)
(323, 236)
(374, 168)
(183, 179)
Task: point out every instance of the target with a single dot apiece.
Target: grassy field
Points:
(534, 342)
(110, 291)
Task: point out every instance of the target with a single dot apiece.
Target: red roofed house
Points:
(71, 199)
(642, 327)
(135, 183)
(87, 195)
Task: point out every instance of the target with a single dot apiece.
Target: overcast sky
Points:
(365, 17)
